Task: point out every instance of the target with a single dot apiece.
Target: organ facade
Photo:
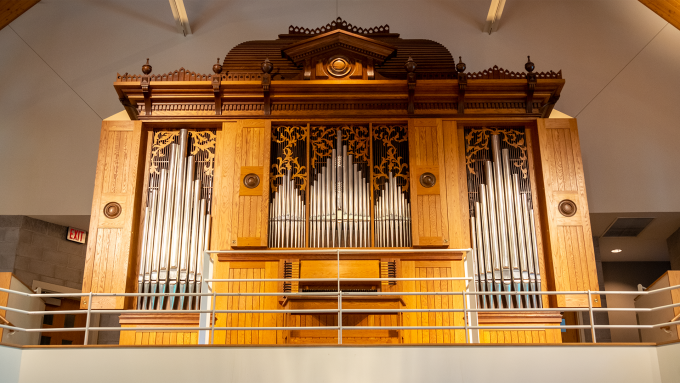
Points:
(345, 138)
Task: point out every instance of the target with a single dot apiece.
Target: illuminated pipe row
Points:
(392, 216)
(340, 201)
(287, 215)
(176, 232)
(504, 236)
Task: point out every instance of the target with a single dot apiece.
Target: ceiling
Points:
(618, 57)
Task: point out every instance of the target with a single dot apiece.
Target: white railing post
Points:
(87, 321)
(471, 318)
(590, 312)
(206, 301)
(465, 315)
(212, 319)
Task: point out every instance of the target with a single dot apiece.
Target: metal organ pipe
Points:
(504, 235)
(174, 226)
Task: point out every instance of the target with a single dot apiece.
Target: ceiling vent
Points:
(627, 227)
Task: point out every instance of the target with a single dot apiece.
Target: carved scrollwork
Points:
(391, 160)
(357, 137)
(293, 140)
(161, 140)
(202, 141)
(478, 139)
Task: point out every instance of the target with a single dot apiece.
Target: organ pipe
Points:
(504, 240)
(176, 231)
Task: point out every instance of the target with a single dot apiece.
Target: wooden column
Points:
(566, 219)
(241, 214)
(115, 214)
(429, 209)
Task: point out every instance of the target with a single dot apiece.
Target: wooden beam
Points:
(669, 10)
(11, 9)
(180, 15)
(494, 16)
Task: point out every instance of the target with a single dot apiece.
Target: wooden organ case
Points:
(340, 137)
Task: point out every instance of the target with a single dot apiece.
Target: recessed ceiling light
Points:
(617, 251)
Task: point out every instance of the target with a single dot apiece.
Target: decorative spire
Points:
(146, 68)
(529, 66)
(267, 66)
(410, 65)
(460, 67)
(217, 68)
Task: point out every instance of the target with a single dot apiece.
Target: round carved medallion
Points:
(251, 180)
(338, 66)
(567, 208)
(428, 180)
(112, 210)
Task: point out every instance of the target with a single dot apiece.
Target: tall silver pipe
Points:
(490, 247)
(142, 257)
(501, 216)
(186, 229)
(350, 200)
(167, 223)
(481, 249)
(522, 246)
(536, 263)
(148, 261)
(206, 246)
(193, 244)
(493, 229)
(475, 254)
(328, 197)
(511, 225)
(345, 195)
(158, 236)
(176, 243)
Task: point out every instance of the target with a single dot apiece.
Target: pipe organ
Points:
(340, 137)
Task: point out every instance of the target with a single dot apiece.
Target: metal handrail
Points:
(208, 308)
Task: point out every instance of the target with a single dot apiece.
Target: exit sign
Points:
(76, 235)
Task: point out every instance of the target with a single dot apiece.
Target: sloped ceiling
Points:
(60, 58)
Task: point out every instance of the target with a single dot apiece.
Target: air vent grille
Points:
(627, 227)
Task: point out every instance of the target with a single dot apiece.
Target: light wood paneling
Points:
(5, 281)
(13, 9)
(669, 10)
(110, 256)
(247, 271)
(139, 336)
(240, 214)
(570, 246)
(410, 269)
(429, 208)
(520, 319)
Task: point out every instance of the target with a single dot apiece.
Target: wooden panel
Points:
(520, 336)
(348, 269)
(139, 321)
(5, 280)
(423, 269)
(240, 213)
(429, 208)
(246, 271)
(570, 246)
(669, 10)
(110, 254)
(13, 9)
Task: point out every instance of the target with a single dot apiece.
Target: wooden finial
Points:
(267, 66)
(146, 68)
(529, 66)
(217, 68)
(460, 67)
(410, 65)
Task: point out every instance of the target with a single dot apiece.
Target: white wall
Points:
(10, 364)
(60, 58)
(469, 364)
(23, 320)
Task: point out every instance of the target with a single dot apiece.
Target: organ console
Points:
(340, 137)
